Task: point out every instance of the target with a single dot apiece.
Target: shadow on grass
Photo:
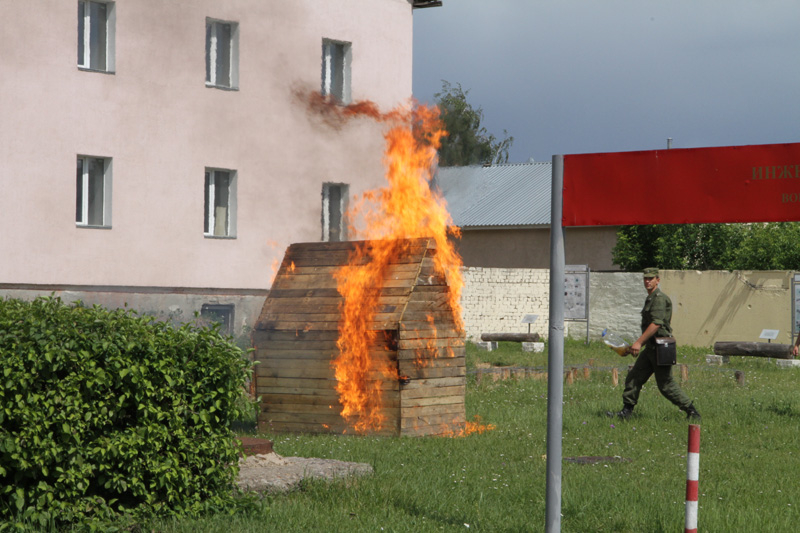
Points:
(783, 408)
(416, 510)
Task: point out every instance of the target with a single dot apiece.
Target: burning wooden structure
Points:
(296, 336)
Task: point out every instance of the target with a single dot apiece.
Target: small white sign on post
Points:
(769, 334)
(529, 319)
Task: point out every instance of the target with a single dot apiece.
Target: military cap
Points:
(651, 272)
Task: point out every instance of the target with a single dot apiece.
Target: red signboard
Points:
(758, 183)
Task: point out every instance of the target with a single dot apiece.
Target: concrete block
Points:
(487, 346)
(788, 363)
(535, 347)
(712, 359)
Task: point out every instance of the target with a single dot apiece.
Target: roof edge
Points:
(420, 4)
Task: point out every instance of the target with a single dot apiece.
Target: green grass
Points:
(495, 481)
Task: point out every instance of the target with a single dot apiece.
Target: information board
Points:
(576, 292)
(796, 305)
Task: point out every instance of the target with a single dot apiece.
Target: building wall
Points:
(177, 307)
(615, 303)
(162, 127)
(530, 248)
(729, 306)
(708, 306)
(494, 300)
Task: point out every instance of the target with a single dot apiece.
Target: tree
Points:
(467, 141)
(772, 246)
(677, 247)
(761, 246)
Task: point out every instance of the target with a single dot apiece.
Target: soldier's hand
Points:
(635, 348)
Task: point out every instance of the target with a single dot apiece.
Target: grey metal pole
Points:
(555, 357)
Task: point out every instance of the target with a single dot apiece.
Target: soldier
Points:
(656, 316)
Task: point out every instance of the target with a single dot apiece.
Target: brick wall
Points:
(494, 300)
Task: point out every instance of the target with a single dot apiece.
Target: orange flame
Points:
(276, 263)
(470, 428)
(407, 208)
(274, 270)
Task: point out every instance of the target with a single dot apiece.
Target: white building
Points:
(159, 154)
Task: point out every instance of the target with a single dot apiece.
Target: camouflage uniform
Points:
(657, 310)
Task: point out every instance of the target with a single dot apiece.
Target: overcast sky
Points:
(579, 76)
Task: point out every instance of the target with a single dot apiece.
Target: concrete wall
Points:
(729, 306)
(161, 126)
(530, 248)
(175, 307)
(707, 306)
(615, 302)
(494, 300)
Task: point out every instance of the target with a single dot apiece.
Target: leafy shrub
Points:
(106, 413)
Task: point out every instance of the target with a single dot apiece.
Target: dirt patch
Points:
(272, 473)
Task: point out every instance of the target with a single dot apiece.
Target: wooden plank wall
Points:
(431, 352)
(295, 340)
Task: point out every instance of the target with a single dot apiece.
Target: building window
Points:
(222, 54)
(93, 192)
(96, 22)
(334, 207)
(220, 203)
(336, 58)
(219, 314)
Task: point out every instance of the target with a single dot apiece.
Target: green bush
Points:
(106, 413)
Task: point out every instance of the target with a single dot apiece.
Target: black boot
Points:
(625, 414)
(692, 414)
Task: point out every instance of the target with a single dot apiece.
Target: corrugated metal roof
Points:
(500, 195)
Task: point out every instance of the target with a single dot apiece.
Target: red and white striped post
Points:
(692, 473)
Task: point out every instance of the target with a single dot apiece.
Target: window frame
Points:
(327, 83)
(83, 193)
(212, 49)
(222, 314)
(209, 203)
(344, 193)
(85, 36)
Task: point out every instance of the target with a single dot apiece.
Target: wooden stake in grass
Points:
(684, 373)
(586, 372)
(739, 375)
(614, 377)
